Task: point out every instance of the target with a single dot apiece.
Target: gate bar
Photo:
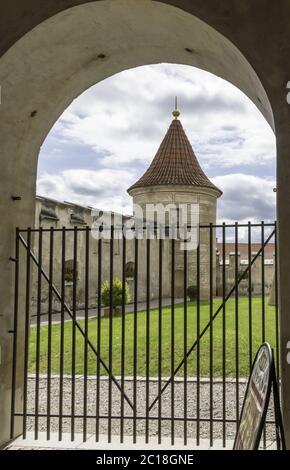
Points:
(87, 246)
(160, 340)
(15, 331)
(237, 326)
(263, 311)
(250, 296)
(276, 299)
(185, 345)
(26, 338)
(98, 371)
(140, 417)
(49, 331)
(135, 334)
(80, 229)
(198, 343)
(111, 280)
(147, 339)
(37, 348)
(211, 334)
(123, 337)
(172, 338)
(224, 336)
(74, 304)
(61, 358)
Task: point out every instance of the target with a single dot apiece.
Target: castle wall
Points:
(57, 215)
(256, 275)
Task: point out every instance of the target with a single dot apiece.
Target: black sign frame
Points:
(250, 402)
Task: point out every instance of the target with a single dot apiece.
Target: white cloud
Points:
(128, 114)
(246, 198)
(104, 189)
(122, 120)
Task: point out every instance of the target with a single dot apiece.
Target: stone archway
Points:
(70, 49)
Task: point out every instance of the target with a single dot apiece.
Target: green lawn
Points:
(166, 340)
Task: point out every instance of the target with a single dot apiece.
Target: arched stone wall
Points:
(66, 50)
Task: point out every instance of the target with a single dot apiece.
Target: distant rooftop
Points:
(243, 249)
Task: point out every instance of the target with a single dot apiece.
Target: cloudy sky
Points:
(107, 138)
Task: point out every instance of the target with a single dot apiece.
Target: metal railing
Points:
(166, 366)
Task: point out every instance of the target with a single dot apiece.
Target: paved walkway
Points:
(66, 444)
(93, 313)
(30, 443)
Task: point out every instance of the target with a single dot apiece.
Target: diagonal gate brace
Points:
(76, 323)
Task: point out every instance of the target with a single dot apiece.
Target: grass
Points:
(217, 344)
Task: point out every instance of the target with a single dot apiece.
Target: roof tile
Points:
(174, 163)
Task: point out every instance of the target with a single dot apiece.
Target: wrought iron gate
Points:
(163, 365)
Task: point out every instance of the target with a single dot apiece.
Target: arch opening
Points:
(65, 55)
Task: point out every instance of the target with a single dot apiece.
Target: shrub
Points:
(191, 292)
(117, 293)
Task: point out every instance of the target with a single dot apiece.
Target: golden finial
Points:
(176, 113)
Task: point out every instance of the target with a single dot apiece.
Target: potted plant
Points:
(117, 296)
(191, 292)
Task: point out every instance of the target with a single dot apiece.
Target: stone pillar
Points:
(283, 206)
(17, 181)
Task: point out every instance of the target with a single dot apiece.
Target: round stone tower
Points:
(176, 178)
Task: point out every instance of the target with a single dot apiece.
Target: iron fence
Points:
(163, 365)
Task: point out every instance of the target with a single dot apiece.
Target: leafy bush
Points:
(117, 293)
(191, 292)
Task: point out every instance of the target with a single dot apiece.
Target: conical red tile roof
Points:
(174, 163)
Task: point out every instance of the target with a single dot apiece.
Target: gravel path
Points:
(191, 402)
